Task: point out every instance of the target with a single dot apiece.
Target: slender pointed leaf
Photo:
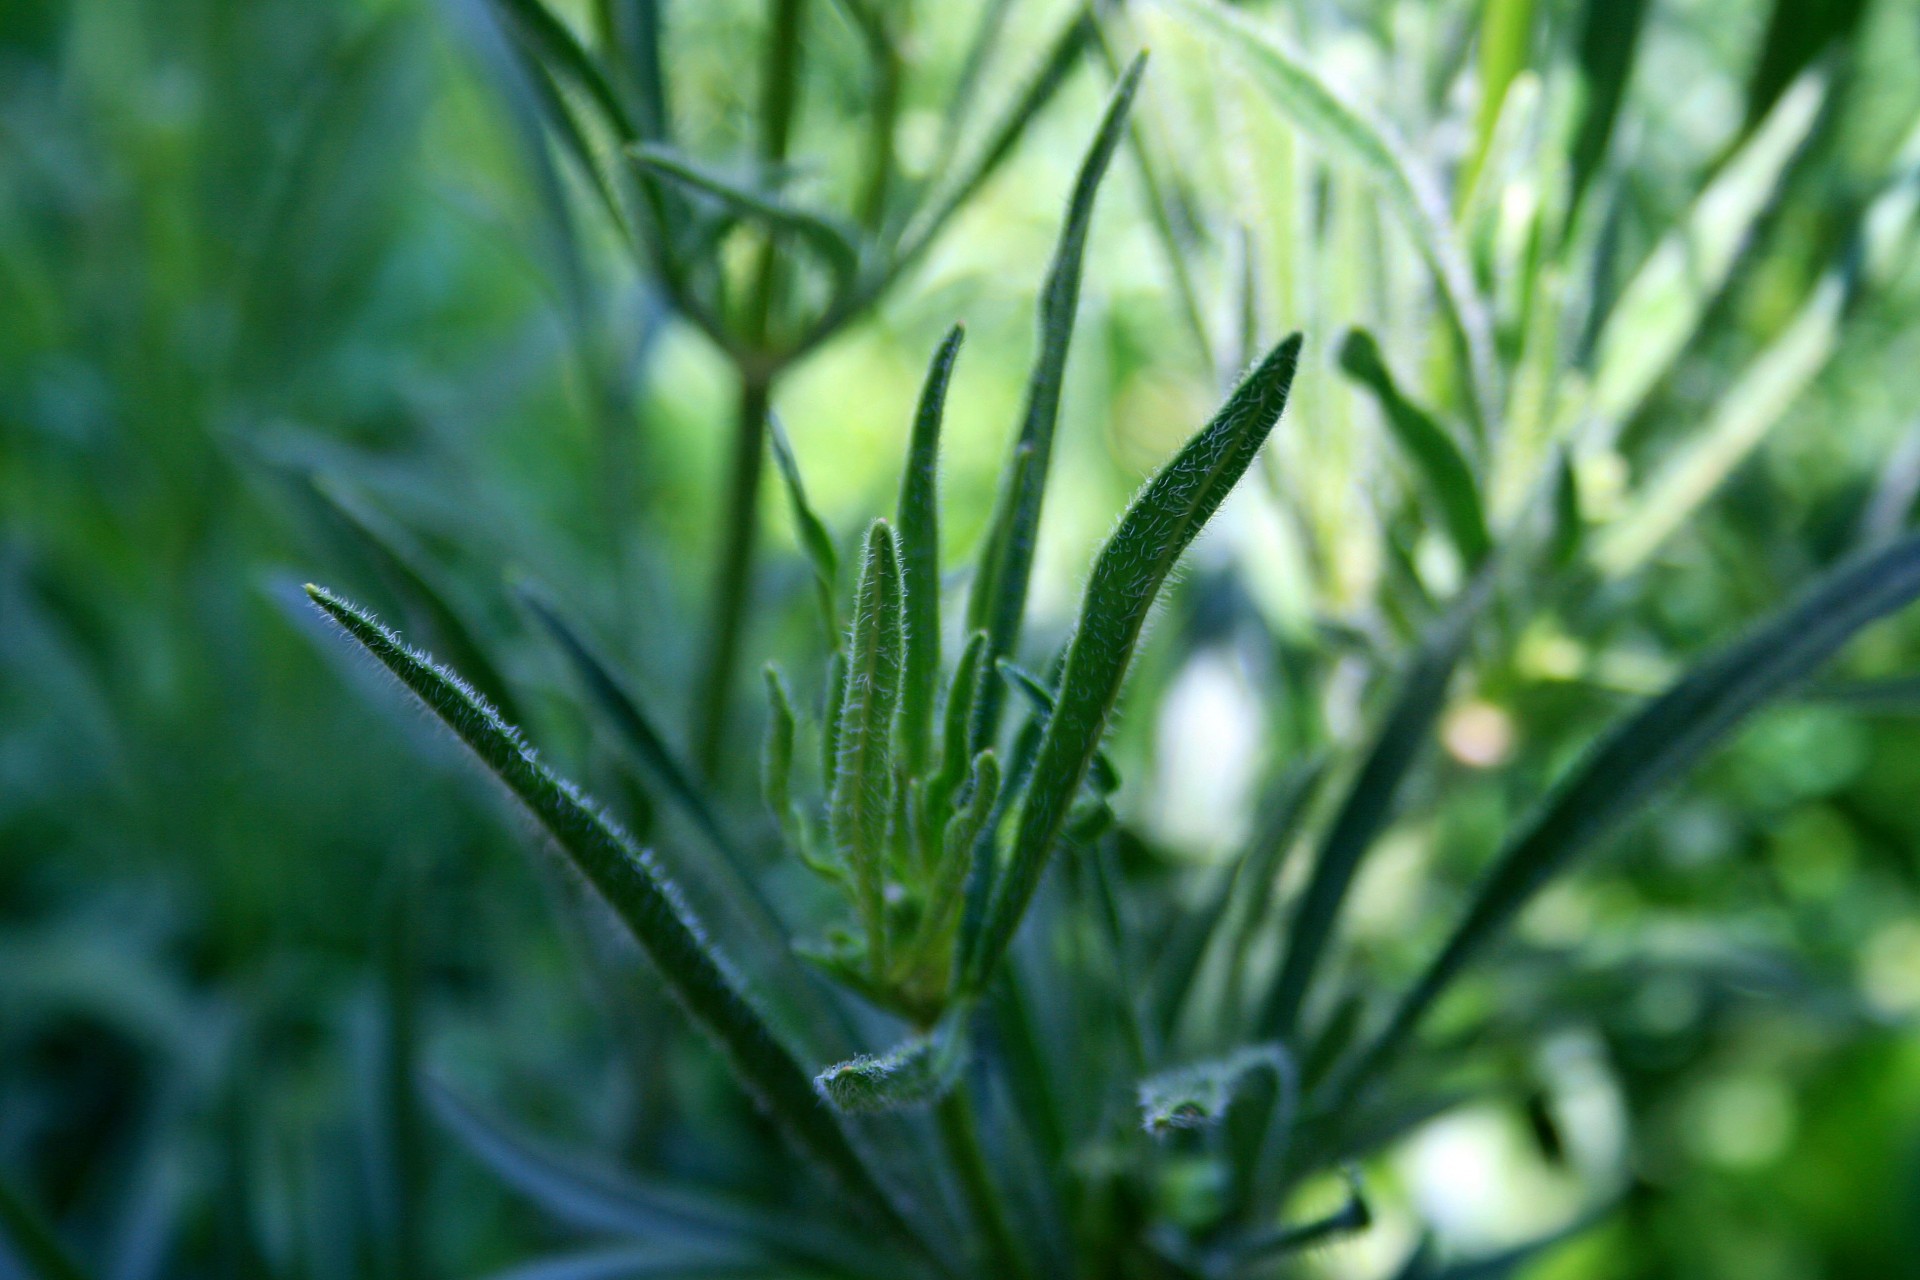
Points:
(1435, 454)
(403, 571)
(587, 1194)
(959, 842)
(1772, 381)
(861, 798)
(1126, 579)
(1242, 895)
(1345, 133)
(837, 244)
(555, 46)
(1651, 749)
(815, 541)
(776, 754)
(920, 556)
(644, 899)
(1662, 306)
(1366, 810)
(955, 730)
(999, 598)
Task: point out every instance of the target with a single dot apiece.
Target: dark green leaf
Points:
(837, 244)
(860, 801)
(1197, 1096)
(1243, 893)
(1431, 448)
(637, 731)
(1367, 809)
(999, 597)
(403, 571)
(646, 902)
(587, 1194)
(1168, 514)
(920, 556)
(955, 731)
(815, 541)
(1650, 750)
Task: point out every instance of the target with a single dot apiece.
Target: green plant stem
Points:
(735, 570)
(960, 1133)
(882, 117)
(758, 365)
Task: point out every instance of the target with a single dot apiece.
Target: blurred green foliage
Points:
(274, 273)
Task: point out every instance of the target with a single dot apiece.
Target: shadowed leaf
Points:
(645, 901)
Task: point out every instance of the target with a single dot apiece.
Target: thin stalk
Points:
(960, 1134)
(882, 118)
(758, 365)
(735, 569)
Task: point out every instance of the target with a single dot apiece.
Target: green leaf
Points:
(587, 1194)
(1431, 448)
(403, 571)
(1662, 306)
(1242, 895)
(1168, 514)
(1367, 809)
(776, 752)
(1345, 133)
(559, 52)
(1103, 777)
(645, 1262)
(999, 598)
(959, 841)
(1608, 45)
(1055, 65)
(837, 243)
(1650, 750)
(815, 541)
(26, 1235)
(914, 1073)
(1197, 1096)
(1506, 30)
(636, 729)
(860, 801)
(920, 556)
(1771, 382)
(646, 902)
(955, 730)
(631, 31)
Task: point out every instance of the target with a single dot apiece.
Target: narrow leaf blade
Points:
(920, 555)
(998, 601)
(1649, 750)
(632, 885)
(1126, 579)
